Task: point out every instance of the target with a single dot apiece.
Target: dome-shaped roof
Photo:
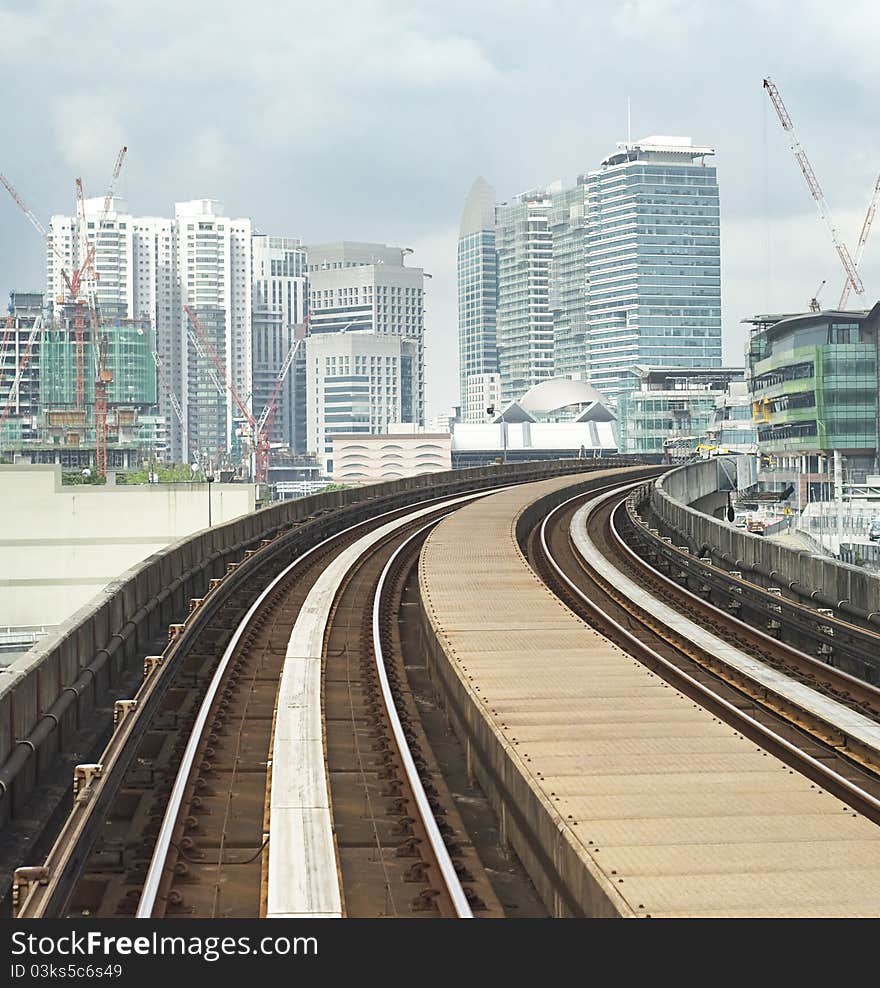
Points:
(557, 393)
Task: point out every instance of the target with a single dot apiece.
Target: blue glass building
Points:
(653, 262)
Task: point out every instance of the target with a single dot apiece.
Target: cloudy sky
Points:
(369, 119)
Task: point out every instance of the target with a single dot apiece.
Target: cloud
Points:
(370, 120)
(89, 134)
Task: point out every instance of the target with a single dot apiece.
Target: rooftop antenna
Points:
(628, 122)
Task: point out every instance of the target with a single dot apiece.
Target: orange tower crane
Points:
(852, 274)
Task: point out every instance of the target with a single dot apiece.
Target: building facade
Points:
(477, 299)
(524, 328)
(280, 293)
(360, 459)
(20, 359)
(483, 393)
(731, 428)
(653, 261)
(568, 282)
(668, 410)
(814, 390)
(362, 286)
(357, 382)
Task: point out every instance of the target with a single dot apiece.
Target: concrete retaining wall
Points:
(852, 590)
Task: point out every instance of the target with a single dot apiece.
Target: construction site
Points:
(90, 373)
(78, 384)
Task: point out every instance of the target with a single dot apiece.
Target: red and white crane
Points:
(267, 416)
(259, 429)
(258, 442)
(852, 274)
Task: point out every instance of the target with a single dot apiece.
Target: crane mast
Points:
(852, 274)
(259, 440)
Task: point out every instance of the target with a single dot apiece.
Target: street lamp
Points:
(491, 411)
(209, 479)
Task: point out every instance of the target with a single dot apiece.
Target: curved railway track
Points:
(794, 735)
(181, 826)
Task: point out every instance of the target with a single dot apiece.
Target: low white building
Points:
(557, 418)
(359, 459)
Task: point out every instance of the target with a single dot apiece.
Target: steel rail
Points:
(435, 839)
(777, 743)
(155, 872)
(700, 604)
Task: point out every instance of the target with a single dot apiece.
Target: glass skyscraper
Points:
(525, 321)
(568, 297)
(653, 261)
(477, 295)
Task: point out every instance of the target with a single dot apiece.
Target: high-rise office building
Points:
(568, 286)
(653, 261)
(357, 382)
(361, 286)
(279, 309)
(477, 298)
(524, 328)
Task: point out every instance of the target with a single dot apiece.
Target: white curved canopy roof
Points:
(558, 392)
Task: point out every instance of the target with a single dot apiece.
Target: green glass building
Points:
(814, 391)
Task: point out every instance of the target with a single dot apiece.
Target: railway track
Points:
(802, 739)
(787, 611)
(182, 826)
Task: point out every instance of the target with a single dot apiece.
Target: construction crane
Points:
(852, 274)
(258, 440)
(11, 398)
(267, 416)
(863, 239)
(172, 397)
(85, 275)
(814, 301)
(35, 223)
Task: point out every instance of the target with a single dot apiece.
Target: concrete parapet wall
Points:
(51, 691)
(852, 590)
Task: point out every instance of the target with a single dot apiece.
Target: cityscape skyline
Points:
(396, 190)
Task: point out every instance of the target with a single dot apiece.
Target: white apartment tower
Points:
(214, 269)
(154, 266)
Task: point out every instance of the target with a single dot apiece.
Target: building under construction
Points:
(42, 414)
(20, 369)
